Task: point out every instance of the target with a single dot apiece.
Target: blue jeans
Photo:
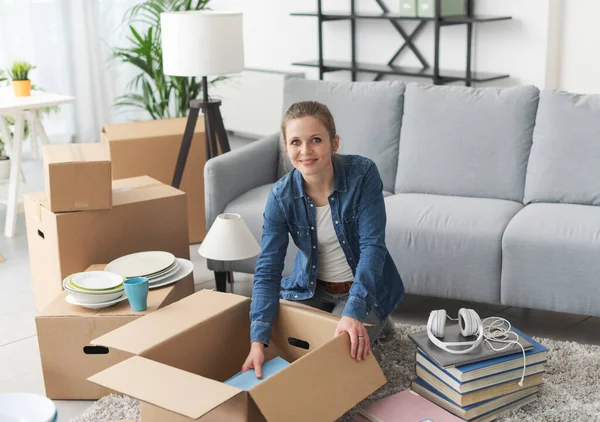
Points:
(334, 303)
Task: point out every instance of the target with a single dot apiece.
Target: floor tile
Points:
(16, 326)
(587, 332)
(29, 383)
(19, 358)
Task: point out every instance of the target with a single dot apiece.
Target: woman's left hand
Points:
(360, 345)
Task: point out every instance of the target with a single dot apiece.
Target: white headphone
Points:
(470, 324)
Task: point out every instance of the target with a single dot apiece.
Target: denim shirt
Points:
(359, 219)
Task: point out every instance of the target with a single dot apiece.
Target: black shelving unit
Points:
(434, 73)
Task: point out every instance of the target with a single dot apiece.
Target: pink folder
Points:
(406, 406)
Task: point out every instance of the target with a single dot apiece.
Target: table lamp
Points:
(229, 239)
(202, 43)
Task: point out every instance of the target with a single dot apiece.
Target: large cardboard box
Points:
(181, 355)
(77, 177)
(151, 148)
(65, 331)
(147, 215)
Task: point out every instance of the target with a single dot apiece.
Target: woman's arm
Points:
(269, 268)
(371, 220)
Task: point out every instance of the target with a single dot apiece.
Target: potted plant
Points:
(19, 74)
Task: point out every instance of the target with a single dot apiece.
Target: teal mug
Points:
(136, 289)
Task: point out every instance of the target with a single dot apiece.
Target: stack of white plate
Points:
(94, 289)
(160, 268)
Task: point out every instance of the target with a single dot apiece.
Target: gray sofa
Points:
(492, 195)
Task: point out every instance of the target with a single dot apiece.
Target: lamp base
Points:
(222, 278)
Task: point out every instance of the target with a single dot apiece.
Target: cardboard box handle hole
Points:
(95, 350)
(298, 343)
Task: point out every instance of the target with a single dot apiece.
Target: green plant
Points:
(20, 71)
(160, 95)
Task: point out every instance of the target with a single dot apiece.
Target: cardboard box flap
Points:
(72, 153)
(343, 380)
(162, 385)
(141, 188)
(151, 330)
(148, 129)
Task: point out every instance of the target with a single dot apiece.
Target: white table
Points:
(21, 109)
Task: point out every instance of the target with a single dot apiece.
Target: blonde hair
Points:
(310, 109)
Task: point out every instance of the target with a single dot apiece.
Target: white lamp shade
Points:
(229, 239)
(202, 43)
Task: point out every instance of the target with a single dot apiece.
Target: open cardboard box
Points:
(181, 354)
(65, 331)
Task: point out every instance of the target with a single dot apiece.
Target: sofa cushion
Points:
(551, 259)
(448, 246)
(564, 165)
(368, 116)
(466, 141)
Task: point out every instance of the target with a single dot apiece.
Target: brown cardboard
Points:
(65, 331)
(146, 215)
(181, 355)
(77, 177)
(151, 148)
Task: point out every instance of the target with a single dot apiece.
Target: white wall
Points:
(578, 58)
(274, 39)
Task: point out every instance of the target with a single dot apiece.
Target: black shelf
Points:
(434, 72)
(445, 75)
(449, 20)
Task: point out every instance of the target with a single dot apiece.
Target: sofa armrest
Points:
(229, 175)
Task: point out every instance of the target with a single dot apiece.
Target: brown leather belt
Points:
(342, 287)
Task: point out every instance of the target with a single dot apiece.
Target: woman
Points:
(333, 207)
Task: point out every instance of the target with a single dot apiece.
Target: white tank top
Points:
(332, 265)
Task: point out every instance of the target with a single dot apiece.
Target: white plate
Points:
(90, 299)
(66, 286)
(141, 263)
(185, 269)
(101, 305)
(97, 280)
(166, 270)
(166, 275)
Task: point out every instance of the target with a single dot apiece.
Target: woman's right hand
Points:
(255, 359)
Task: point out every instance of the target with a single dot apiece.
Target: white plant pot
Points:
(4, 168)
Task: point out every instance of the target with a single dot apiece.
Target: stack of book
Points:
(480, 385)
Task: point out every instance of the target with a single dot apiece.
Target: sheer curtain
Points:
(68, 41)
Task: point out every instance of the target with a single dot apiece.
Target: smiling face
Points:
(308, 145)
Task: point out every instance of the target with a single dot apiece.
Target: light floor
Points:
(20, 367)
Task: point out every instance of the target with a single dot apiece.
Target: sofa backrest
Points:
(466, 141)
(368, 117)
(564, 165)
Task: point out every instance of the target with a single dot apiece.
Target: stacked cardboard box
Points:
(151, 148)
(65, 331)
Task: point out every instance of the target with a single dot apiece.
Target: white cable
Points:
(499, 331)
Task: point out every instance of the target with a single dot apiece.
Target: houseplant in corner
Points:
(19, 74)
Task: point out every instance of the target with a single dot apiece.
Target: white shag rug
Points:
(570, 393)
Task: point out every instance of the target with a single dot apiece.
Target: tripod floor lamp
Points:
(203, 43)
